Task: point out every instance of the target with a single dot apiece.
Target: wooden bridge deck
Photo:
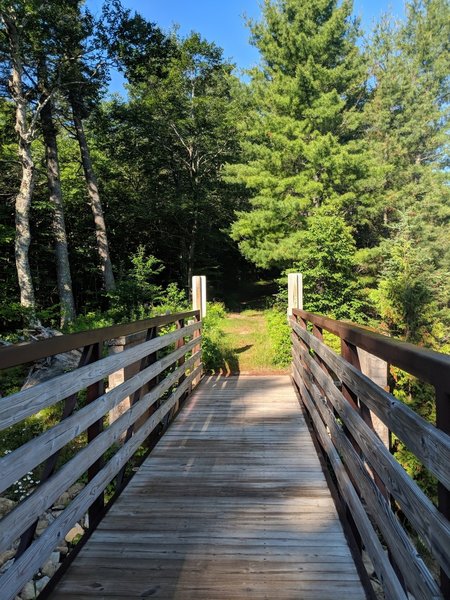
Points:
(232, 503)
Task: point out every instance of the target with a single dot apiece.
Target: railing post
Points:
(295, 292)
(199, 294)
(198, 303)
(120, 345)
(93, 392)
(443, 423)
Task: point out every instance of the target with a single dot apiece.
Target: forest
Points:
(329, 158)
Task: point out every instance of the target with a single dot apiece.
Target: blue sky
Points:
(222, 21)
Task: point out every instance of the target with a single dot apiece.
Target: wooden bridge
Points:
(261, 487)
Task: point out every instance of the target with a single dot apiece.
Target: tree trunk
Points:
(59, 227)
(94, 196)
(23, 198)
(191, 257)
(23, 235)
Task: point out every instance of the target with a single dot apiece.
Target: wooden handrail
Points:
(340, 400)
(26, 352)
(428, 365)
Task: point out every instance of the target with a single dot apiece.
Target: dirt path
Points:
(247, 339)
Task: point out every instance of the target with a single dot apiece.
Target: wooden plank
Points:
(12, 525)
(28, 564)
(428, 443)
(423, 515)
(223, 509)
(25, 403)
(428, 365)
(383, 568)
(417, 576)
(26, 352)
(15, 465)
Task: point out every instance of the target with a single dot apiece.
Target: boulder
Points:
(41, 583)
(42, 525)
(28, 592)
(7, 555)
(73, 533)
(6, 505)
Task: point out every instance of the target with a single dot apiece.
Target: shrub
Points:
(279, 336)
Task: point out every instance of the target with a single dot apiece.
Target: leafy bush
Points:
(279, 336)
(213, 348)
(136, 293)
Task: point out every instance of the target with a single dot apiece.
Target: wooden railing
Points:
(167, 364)
(388, 509)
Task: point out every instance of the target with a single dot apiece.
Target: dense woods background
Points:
(330, 159)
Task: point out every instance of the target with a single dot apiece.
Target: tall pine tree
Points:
(302, 146)
(407, 121)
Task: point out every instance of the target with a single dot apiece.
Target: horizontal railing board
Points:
(23, 569)
(26, 352)
(25, 403)
(429, 444)
(15, 465)
(373, 546)
(25, 514)
(419, 510)
(414, 571)
(426, 364)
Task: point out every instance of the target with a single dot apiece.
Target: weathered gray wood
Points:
(25, 352)
(199, 294)
(416, 574)
(383, 568)
(15, 465)
(28, 511)
(423, 515)
(24, 568)
(295, 292)
(27, 402)
(213, 513)
(429, 444)
(423, 363)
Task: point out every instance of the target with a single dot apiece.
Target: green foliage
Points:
(404, 296)
(279, 336)
(214, 351)
(420, 397)
(89, 320)
(137, 293)
(301, 143)
(325, 255)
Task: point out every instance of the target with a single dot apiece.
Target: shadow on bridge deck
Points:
(232, 503)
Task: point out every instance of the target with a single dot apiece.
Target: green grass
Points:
(248, 342)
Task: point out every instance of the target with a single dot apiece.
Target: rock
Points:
(41, 583)
(41, 526)
(29, 591)
(73, 533)
(50, 367)
(5, 556)
(6, 566)
(49, 569)
(6, 505)
(63, 500)
(52, 565)
(62, 548)
(75, 489)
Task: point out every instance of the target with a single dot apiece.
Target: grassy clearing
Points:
(245, 343)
